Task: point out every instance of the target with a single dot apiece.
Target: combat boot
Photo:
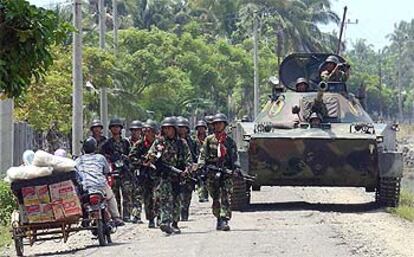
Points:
(137, 220)
(151, 223)
(225, 225)
(219, 224)
(158, 221)
(175, 228)
(166, 228)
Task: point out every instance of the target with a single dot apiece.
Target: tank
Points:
(348, 149)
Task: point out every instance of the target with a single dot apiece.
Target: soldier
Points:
(219, 154)
(116, 150)
(315, 120)
(96, 131)
(187, 185)
(168, 153)
(333, 70)
(147, 180)
(209, 121)
(302, 85)
(135, 128)
(200, 136)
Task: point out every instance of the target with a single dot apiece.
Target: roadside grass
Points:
(7, 205)
(5, 236)
(406, 208)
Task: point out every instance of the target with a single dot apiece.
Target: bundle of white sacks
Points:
(39, 164)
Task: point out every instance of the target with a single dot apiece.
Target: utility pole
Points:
(103, 94)
(256, 65)
(115, 23)
(400, 107)
(77, 109)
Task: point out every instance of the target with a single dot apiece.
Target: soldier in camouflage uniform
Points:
(147, 180)
(200, 137)
(187, 185)
(209, 121)
(116, 149)
(96, 132)
(135, 129)
(333, 70)
(219, 154)
(170, 151)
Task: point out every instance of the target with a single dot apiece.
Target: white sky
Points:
(376, 18)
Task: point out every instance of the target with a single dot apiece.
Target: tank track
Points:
(240, 199)
(387, 193)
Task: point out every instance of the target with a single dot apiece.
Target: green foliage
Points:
(7, 203)
(26, 34)
(406, 208)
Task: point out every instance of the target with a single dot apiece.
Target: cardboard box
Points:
(43, 194)
(62, 190)
(30, 196)
(40, 213)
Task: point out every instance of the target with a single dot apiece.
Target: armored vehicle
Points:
(347, 149)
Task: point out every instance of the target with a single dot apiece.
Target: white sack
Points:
(28, 172)
(60, 164)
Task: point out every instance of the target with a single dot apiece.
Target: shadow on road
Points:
(322, 207)
(73, 251)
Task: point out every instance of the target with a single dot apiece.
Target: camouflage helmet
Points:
(220, 117)
(332, 59)
(200, 123)
(183, 122)
(209, 119)
(245, 118)
(95, 124)
(116, 122)
(302, 80)
(135, 124)
(151, 124)
(169, 122)
(273, 80)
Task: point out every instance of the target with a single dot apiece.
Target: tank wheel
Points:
(387, 193)
(255, 188)
(240, 199)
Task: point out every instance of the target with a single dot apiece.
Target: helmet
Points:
(201, 123)
(183, 122)
(273, 80)
(96, 123)
(301, 80)
(116, 122)
(135, 124)
(209, 119)
(151, 124)
(245, 118)
(220, 117)
(90, 145)
(314, 116)
(333, 59)
(60, 152)
(169, 122)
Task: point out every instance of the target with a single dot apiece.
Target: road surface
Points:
(281, 222)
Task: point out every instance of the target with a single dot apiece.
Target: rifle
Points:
(164, 167)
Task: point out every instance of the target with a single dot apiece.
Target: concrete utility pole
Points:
(256, 65)
(77, 111)
(400, 105)
(6, 134)
(115, 23)
(103, 95)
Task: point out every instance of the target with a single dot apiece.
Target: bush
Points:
(7, 203)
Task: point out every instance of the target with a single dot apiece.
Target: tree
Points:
(26, 35)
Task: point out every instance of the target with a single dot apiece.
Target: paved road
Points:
(281, 222)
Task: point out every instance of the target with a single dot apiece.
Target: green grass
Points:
(406, 208)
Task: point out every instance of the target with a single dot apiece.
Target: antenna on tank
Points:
(338, 48)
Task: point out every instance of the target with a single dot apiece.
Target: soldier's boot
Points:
(136, 220)
(219, 224)
(225, 225)
(151, 223)
(158, 221)
(166, 228)
(175, 228)
(184, 215)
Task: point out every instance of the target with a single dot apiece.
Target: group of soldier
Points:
(160, 167)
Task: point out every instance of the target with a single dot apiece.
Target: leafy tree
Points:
(26, 35)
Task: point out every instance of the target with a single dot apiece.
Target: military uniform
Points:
(201, 181)
(173, 152)
(114, 150)
(147, 179)
(219, 150)
(187, 185)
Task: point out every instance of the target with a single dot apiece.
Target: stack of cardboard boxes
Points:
(48, 203)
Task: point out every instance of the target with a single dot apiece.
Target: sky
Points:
(376, 18)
